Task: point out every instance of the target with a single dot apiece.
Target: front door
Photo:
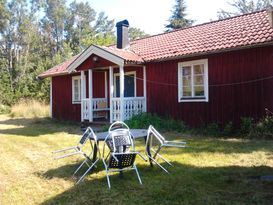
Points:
(129, 85)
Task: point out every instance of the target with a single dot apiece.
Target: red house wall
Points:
(226, 103)
(62, 107)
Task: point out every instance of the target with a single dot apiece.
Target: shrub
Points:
(163, 124)
(228, 129)
(212, 129)
(4, 109)
(263, 128)
(30, 109)
(246, 125)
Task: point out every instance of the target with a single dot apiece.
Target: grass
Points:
(30, 109)
(210, 171)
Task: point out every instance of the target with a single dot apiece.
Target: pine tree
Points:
(178, 18)
(136, 33)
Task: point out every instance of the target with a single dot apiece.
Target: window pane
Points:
(199, 91)
(186, 91)
(199, 80)
(198, 69)
(187, 81)
(186, 71)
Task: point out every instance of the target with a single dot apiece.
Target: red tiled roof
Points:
(232, 33)
(127, 54)
(240, 31)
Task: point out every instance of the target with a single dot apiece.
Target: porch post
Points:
(145, 88)
(121, 92)
(111, 92)
(90, 93)
(82, 93)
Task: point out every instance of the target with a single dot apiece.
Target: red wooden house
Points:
(214, 72)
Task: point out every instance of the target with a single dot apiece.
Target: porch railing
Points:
(132, 106)
(98, 104)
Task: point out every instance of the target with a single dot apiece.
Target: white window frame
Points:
(180, 81)
(78, 77)
(126, 73)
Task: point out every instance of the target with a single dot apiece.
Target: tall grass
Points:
(30, 109)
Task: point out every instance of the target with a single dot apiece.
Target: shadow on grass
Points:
(33, 127)
(185, 185)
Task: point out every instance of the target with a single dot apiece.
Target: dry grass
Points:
(211, 171)
(30, 109)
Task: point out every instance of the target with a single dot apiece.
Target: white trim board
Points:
(76, 77)
(125, 73)
(97, 51)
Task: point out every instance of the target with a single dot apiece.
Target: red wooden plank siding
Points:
(62, 106)
(226, 103)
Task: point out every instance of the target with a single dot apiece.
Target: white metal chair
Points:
(122, 151)
(88, 161)
(152, 135)
(75, 149)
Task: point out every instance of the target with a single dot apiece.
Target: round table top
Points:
(136, 133)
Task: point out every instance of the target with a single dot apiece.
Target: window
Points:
(76, 89)
(193, 81)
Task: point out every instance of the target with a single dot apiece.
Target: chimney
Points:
(122, 34)
(270, 15)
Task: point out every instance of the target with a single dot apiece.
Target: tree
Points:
(178, 18)
(243, 7)
(79, 25)
(136, 33)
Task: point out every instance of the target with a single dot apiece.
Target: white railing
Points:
(85, 109)
(98, 104)
(132, 106)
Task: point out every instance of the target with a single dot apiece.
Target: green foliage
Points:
(246, 125)
(263, 129)
(136, 33)
(244, 6)
(4, 109)
(178, 18)
(212, 129)
(228, 129)
(163, 124)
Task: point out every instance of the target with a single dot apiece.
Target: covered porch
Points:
(112, 89)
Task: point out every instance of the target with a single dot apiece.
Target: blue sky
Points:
(152, 15)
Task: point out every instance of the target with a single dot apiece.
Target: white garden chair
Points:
(122, 151)
(74, 150)
(153, 135)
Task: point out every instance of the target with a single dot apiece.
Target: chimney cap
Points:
(123, 23)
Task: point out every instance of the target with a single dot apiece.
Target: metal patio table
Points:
(136, 133)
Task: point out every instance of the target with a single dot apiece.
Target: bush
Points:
(228, 129)
(4, 109)
(211, 129)
(263, 128)
(30, 109)
(163, 124)
(246, 125)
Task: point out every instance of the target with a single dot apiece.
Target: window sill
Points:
(76, 102)
(193, 100)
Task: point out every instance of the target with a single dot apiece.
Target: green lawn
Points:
(210, 171)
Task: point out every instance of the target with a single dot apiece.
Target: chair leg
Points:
(83, 176)
(84, 162)
(138, 176)
(108, 179)
(165, 160)
(152, 159)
